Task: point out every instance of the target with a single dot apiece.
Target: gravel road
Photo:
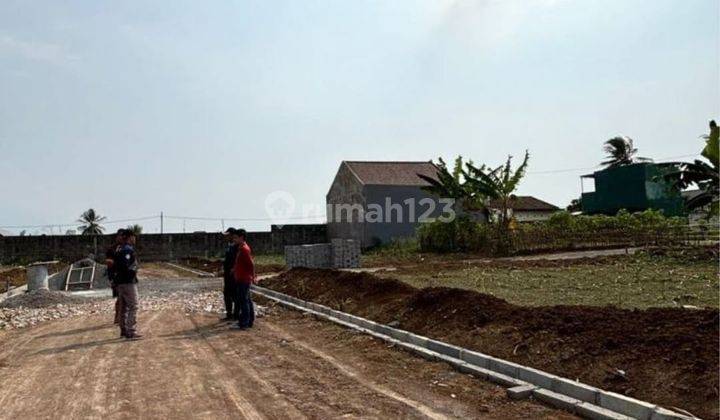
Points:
(190, 365)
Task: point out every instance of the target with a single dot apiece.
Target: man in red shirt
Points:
(244, 272)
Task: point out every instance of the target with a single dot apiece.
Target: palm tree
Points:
(497, 184)
(621, 151)
(91, 223)
(136, 229)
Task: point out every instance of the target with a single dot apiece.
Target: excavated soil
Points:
(216, 266)
(668, 356)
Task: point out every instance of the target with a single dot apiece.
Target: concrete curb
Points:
(584, 400)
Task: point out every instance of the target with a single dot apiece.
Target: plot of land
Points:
(638, 281)
(668, 356)
(191, 366)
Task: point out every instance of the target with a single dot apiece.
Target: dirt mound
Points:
(216, 266)
(203, 264)
(667, 356)
(41, 299)
(16, 276)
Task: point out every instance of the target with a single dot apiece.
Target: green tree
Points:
(136, 229)
(90, 223)
(704, 174)
(621, 151)
(453, 184)
(497, 184)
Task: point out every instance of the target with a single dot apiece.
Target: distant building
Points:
(376, 202)
(635, 187)
(524, 208)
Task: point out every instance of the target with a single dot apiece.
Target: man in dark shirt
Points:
(232, 309)
(126, 267)
(109, 261)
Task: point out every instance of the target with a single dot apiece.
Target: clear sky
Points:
(204, 108)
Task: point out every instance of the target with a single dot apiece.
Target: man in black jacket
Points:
(126, 266)
(109, 261)
(229, 288)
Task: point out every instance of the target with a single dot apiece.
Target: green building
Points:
(635, 187)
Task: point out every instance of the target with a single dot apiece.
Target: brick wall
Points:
(152, 246)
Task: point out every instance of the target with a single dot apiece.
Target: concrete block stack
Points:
(340, 253)
(345, 253)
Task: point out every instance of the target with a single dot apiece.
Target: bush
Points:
(561, 231)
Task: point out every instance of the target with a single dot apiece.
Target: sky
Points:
(204, 109)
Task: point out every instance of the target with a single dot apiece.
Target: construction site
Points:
(334, 342)
(426, 209)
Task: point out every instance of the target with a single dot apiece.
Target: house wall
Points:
(345, 190)
(154, 247)
(532, 216)
(392, 225)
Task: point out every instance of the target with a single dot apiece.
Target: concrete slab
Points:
(536, 377)
(592, 411)
(520, 392)
(443, 348)
(475, 358)
(556, 400)
(626, 405)
(665, 414)
(576, 390)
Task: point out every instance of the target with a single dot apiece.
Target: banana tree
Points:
(453, 184)
(497, 184)
(704, 174)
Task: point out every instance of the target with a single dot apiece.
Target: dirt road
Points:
(192, 366)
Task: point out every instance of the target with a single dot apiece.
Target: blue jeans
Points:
(247, 309)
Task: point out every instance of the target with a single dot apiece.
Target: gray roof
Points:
(392, 173)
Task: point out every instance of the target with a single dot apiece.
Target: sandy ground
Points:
(192, 366)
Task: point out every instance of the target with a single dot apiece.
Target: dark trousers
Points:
(232, 309)
(247, 308)
(128, 297)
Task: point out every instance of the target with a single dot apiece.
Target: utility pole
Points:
(222, 223)
(161, 223)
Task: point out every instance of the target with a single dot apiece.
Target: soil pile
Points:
(202, 264)
(42, 299)
(668, 356)
(216, 266)
(16, 276)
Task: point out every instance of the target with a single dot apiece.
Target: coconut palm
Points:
(621, 151)
(91, 223)
(136, 229)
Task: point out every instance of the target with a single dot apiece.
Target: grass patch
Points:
(640, 281)
(267, 259)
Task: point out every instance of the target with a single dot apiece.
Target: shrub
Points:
(562, 230)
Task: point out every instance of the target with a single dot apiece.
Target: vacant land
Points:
(270, 263)
(635, 281)
(668, 356)
(192, 366)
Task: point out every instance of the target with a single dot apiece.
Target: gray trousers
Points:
(128, 301)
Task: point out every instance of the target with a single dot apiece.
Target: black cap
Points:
(230, 231)
(120, 231)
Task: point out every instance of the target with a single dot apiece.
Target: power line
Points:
(555, 171)
(103, 222)
(235, 219)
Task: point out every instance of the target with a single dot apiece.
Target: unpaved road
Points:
(192, 366)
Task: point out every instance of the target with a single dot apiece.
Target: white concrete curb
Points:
(522, 381)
